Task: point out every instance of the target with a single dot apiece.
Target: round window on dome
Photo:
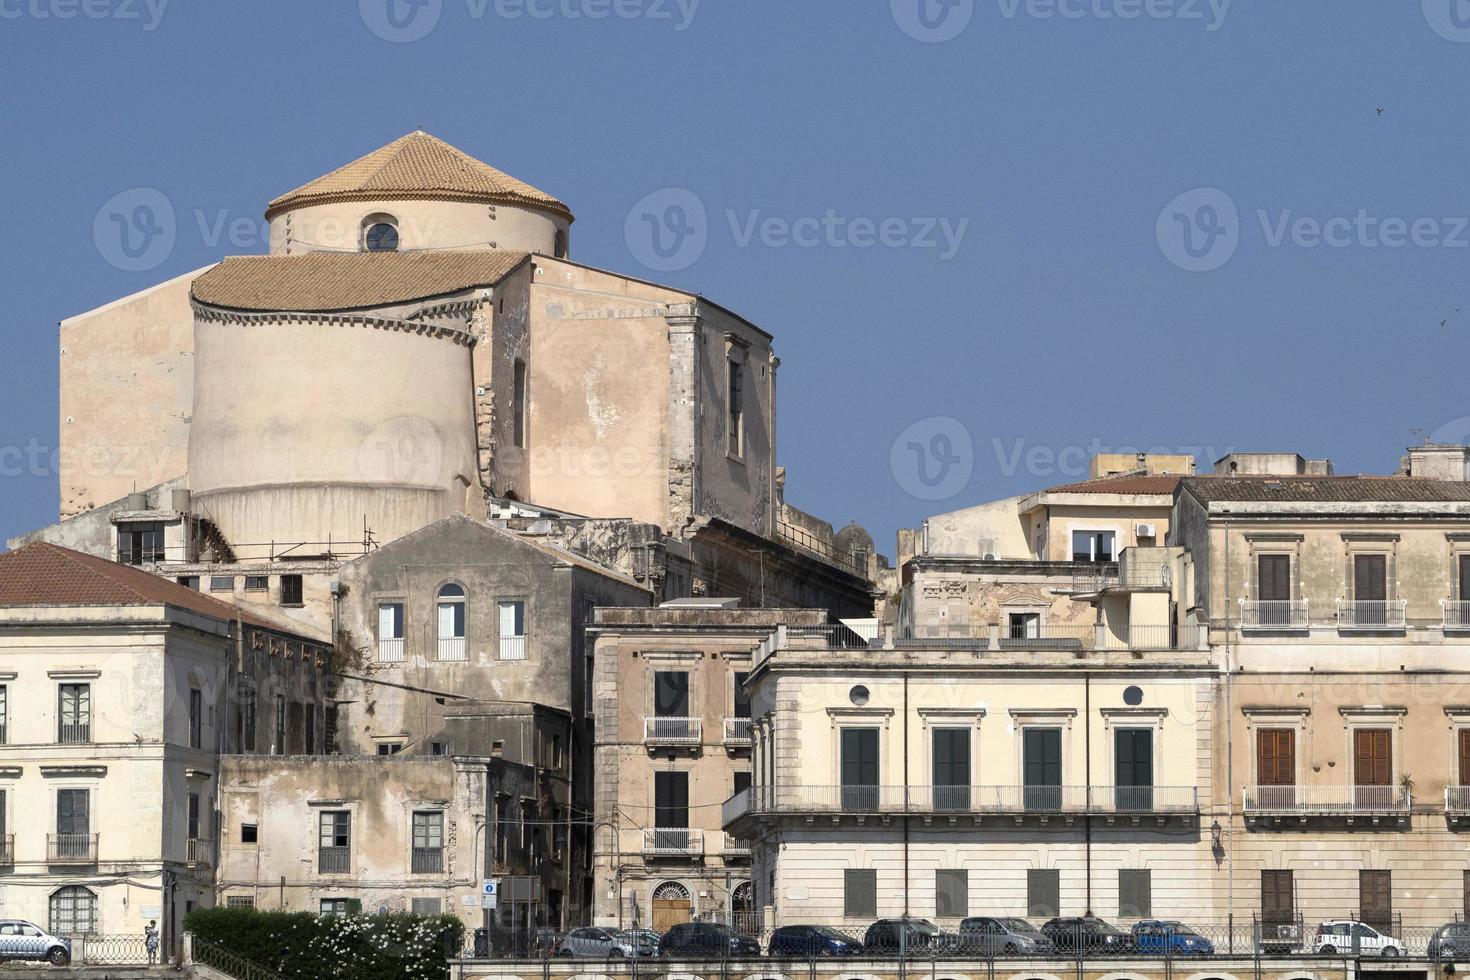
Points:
(381, 236)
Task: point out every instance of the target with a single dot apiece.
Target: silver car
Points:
(999, 936)
(22, 940)
(597, 943)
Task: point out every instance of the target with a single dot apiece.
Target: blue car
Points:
(1161, 937)
(811, 941)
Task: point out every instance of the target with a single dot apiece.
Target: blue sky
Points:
(1003, 232)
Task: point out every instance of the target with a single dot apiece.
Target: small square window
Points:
(257, 583)
(291, 591)
(390, 748)
(222, 583)
(239, 902)
(249, 833)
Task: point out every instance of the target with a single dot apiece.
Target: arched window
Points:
(380, 233)
(561, 244)
(518, 404)
(73, 911)
(451, 622)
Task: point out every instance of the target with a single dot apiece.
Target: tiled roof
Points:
(417, 167)
(1122, 484)
(45, 574)
(1326, 489)
(336, 281)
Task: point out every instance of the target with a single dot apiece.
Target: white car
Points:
(1346, 937)
(22, 940)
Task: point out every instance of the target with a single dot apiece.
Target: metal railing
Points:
(1123, 576)
(71, 848)
(513, 648)
(228, 963)
(827, 637)
(199, 851)
(738, 731)
(427, 861)
(451, 648)
(803, 540)
(1042, 638)
(333, 860)
(678, 841)
(663, 730)
(1274, 614)
(735, 846)
(1008, 800)
(1371, 614)
(76, 733)
(1456, 614)
(7, 849)
(390, 650)
(1327, 800)
(1457, 799)
(95, 949)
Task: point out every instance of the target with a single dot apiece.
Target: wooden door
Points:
(1276, 767)
(1373, 767)
(669, 912)
(1370, 590)
(1273, 589)
(1375, 899)
(1278, 903)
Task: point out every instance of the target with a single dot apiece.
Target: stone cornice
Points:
(215, 314)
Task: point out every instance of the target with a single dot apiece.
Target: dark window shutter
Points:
(1275, 578)
(860, 893)
(1135, 894)
(1370, 578)
(1043, 893)
(951, 893)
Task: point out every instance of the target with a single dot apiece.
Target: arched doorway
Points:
(743, 914)
(670, 906)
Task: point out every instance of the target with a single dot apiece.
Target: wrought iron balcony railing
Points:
(1371, 614)
(71, 848)
(939, 800)
(737, 731)
(1274, 614)
(662, 730)
(673, 841)
(427, 861)
(1327, 800)
(334, 860)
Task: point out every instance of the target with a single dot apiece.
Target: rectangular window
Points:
(1135, 894)
(310, 747)
(1464, 578)
(950, 748)
(1273, 578)
(859, 769)
(1276, 757)
(438, 748)
(428, 842)
(1133, 768)
(389, 748)
(390, 632)
(1463, 739)
(188, 581)
(73, 812)
(249, 833)
(1041, 764)
(5, 851)
(671, 694)
(335, 842)
(257, 583)
(291, 591)
(239, 901)
(671, 799)
(222, 583)
(518, 404)
(512, 629)
(1094, 546)
(139, 544)
(247, 717)
(192, 831)
(4, 712)
(1043, 893)
(279, 747)
(860, 893)
(196, 718)
(951, 893)
(75, 714)
(1375, 899)
(1023, 626)
(1278, 900)
(742, 696)
(1373, 767)
(1370, 578)
(736, 399)
(329, 729)
(742, 782)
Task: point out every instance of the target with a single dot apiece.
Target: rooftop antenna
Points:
(1418, 433)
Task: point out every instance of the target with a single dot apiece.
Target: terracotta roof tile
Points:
(45, 574)
(337, 281)
(1160, 484)
(417, 167)
(1326, 489)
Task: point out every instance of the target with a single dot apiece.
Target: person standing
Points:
(150, 941)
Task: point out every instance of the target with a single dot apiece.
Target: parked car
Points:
(811, 941)
(599, 943)
(642, 937)
(706, 939)
(1450, 942)
(22, 940)
(987, 936)
(1087, 934)
(1354, 939)
(1167, 937)
(888, 937)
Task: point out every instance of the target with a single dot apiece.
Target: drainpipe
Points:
(1087, 776)
(1229, 735)
(905, 794)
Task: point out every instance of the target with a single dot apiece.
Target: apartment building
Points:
(673, 742)
(119, 691)
(1337, 613)
(968, 777)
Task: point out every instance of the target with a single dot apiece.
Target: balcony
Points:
(1327, 801)
(1127, 576)
(452, 648)
(512, 648)
(334, 860)
(75, 733)
(427, 861)
(7, 850)
(71, 848)
(390, 650)
(1274, 614)
(673, 732)
(1007, 801)
(1456, 613)
(199, 852)
(1043, 638)
(735, 847)
(738, 733)
(1457, 802)
(1371, 615)
(673, 842)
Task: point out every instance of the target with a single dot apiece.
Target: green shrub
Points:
(350, 947)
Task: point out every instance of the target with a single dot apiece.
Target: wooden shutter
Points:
(1373, 757)
(1043, 893)
(1375, 899)
(1274, 573)
(1276, 757)
(1465, 578)
(860, 893)
(1135, 894)
(951, 893)
(1277, 900)
(1370, 578)
(1465, 757)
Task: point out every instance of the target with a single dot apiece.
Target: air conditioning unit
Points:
(1146, 531)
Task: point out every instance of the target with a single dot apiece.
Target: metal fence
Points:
(104, 950)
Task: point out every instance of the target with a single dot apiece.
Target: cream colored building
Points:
(119, 692)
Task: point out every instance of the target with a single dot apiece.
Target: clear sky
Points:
(1006, 232)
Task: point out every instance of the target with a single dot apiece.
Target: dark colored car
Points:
(1159, 937)
(1086, 934)
(811, 941)
(890, 937)
(696, 939)
(1450, 942)
(1000, 936)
